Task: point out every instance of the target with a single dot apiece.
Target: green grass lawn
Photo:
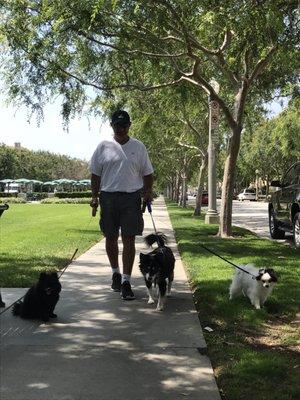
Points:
(253, 352)
(38, 237)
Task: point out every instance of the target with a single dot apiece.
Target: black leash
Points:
(149, 208)
(229, 262)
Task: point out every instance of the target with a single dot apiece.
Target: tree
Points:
(63, 48)
(275, 143)
(41, 165)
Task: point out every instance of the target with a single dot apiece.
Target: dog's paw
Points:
(159, 309)
(150, 301)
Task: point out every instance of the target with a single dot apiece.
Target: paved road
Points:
(250, 215)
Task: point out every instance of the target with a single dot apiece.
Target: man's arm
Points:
(148, 184)
(95, 185)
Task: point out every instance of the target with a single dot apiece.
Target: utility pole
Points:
(212, 216)
(256, 183)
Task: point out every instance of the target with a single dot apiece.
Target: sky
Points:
(79, 142)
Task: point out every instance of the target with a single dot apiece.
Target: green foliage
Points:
(11, 200)
(60, 48)
(40, 165)
(73, 200)
(72, 195)
(2, 194)
(271, 147)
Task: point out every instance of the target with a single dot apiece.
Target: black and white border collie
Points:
(157, 268)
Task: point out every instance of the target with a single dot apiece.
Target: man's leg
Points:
(128, 253)
(128, 259)
(112, 251)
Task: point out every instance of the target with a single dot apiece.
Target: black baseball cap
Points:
(120, 117)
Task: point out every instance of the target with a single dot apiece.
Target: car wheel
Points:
(275, 232)
(296, 230)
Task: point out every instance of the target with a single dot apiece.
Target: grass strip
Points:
(39, 237)
(254, 353)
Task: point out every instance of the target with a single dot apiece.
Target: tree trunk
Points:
(183, 191)
(201, 177)
(177, 187)
(228, 183)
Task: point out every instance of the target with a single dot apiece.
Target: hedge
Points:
(54, 200)
(12, 200)
(3, 194)
(72, 195)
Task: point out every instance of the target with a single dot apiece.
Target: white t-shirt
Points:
(121, 166)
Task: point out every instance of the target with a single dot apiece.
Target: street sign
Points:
(214, 114)
(214, 105)
(214, 122)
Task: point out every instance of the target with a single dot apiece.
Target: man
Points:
(120, 167)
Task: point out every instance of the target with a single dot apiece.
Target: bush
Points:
(72, 195)
(12, 200)
(3, 194)
(36, 196)
(54, 200)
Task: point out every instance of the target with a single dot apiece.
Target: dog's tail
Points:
(16, 310)
(160, 239)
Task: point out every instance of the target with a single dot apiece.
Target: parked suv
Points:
(284, 206)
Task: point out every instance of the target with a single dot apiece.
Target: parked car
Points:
(284, 206)
(247, 194)
(205, 197)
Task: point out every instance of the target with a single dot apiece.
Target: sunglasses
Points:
(121, 124)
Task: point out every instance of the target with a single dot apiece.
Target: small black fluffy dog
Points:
(40, 300)
(156, 267)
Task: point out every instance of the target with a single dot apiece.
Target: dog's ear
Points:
(43, 275)
(260, 274)
(272, 274)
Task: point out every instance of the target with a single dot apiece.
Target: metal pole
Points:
(256, 184)
(212, 216)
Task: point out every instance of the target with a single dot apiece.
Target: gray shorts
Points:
(121, 210)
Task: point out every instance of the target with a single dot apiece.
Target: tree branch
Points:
(262, 64)
(189, 146)
(227, 40)
(129, 51)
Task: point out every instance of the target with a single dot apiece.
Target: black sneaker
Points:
(126, 292)
(116, 282)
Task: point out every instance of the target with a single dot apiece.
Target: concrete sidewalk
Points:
(103, 348)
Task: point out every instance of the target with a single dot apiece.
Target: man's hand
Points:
(148, 196)
(94, 204)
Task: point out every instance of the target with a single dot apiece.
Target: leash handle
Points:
(148, 205)
(149, 208)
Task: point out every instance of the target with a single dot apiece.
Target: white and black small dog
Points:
(157, 267)
(256, 289)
